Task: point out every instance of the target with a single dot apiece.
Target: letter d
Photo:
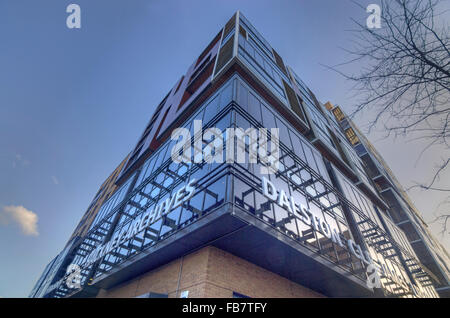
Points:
(269, 190)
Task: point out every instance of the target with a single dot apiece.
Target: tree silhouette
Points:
(405, 79)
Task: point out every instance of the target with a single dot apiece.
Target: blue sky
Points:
(74, 102)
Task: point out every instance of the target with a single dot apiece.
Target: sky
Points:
(73, 102)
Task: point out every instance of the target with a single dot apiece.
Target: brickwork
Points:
(210, 272)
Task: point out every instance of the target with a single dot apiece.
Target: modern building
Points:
(401, 210)
(55, 271)
(316, 224)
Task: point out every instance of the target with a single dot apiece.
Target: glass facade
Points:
(302, 174)
(334, 224)
(402, 219)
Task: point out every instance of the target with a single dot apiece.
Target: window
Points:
(152, 295)
(292, 97)
(229, 26)
(279, 62)
(237, 295)
(351, 136)
(225, 54)
(242, 31)
(337, 112)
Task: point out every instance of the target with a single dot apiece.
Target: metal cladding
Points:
(318, 206)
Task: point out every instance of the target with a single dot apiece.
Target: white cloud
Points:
(26, 219)
(3, 219)
(55, 180)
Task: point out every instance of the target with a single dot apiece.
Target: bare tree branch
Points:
(405, 76)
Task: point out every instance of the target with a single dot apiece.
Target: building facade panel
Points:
(212, 273)
(402, 218)
(314, 226)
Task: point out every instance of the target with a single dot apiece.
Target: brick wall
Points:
(210, 272)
